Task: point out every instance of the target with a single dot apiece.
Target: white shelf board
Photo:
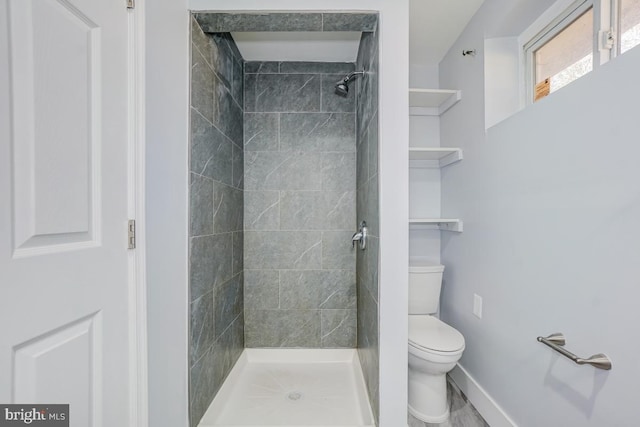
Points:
(444, 224)
(433, 157)
(432, 102)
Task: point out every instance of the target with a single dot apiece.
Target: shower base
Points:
(292, 388)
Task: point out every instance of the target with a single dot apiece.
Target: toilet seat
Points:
(430, 334)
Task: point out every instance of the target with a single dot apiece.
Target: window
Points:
(629, 25)
(584, 36)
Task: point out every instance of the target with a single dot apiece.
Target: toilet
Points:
(434, 346)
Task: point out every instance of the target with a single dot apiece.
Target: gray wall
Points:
(550, 200)
(299, 206)
(216, 211)
(367, 209)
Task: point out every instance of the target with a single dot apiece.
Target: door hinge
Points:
(131, 234)
(131, 4)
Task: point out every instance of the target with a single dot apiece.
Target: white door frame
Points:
(138, 357)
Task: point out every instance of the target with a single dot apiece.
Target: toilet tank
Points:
(425, 282)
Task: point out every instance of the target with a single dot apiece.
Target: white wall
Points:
(550, 200)
(167, 124)
(167, 129)
(424, 183)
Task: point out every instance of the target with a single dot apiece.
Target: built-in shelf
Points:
(444, 224)
(432, 102)
(437, 157)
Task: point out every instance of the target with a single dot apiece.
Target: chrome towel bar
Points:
(556, 341)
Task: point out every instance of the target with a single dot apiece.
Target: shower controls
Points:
(360, 236)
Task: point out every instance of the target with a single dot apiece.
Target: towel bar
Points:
(556, 341)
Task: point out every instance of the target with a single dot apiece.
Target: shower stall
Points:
(283, 169)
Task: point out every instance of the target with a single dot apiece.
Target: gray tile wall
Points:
(216, 215)
(367, 209)
(300, 206)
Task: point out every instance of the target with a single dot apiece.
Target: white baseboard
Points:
(486, 406)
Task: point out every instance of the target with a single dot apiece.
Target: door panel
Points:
(63, 364)
(65, 320)
(55, 56)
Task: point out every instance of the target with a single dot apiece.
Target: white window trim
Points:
(554, 20)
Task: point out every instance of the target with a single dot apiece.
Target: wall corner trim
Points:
(493, 414)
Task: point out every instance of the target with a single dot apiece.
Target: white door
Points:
(64, 304)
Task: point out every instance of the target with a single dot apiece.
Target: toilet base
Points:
(429, 419)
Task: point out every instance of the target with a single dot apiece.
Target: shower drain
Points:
(294, 395)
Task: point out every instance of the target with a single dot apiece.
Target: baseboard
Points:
(486, 406)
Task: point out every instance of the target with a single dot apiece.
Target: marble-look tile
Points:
(221, 256)
(261, 289)
(301, 210)
(271, 93)
(367, 320)
(368, 345)
(211, 151)
(317, 289)
(238, 252)
(337, 252)
(373, 145)
(202, 330)
(266, 170)
(227, 208)
(227, 114)
(227, 349)
(202, 386)
(210, 262)
(301, 67)
(200, 40)
(201, 205)
(238, 166)
(228, 300)
(370, 268)
(462, 412)
(201, 84)
(338, 210)
(237, 83)
(282, 328)
(349, 21)
(201, 269)
(275, 21)
(338, 171)
(332, 102)
(362, 160)
(261, 132)
(283, 250)
(262, 210)
(261, 67)
(317, 132)
(338, 328)
(373, 204)
(222, 59)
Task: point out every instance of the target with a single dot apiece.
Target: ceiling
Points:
(434, 25)
(327, 46)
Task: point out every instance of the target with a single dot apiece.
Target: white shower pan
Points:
(292, 388)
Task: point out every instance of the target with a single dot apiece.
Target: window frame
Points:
(555, 27)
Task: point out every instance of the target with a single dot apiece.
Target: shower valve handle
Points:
(360, 236)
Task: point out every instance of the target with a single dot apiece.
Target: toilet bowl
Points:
(434, 349)
(434, 346)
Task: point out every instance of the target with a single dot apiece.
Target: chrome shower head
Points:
(342, 87)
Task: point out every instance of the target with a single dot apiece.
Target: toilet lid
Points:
(431, 333)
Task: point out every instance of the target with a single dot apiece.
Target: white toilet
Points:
(434, 346)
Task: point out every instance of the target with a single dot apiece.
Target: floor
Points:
(463, 414)
(293, 388)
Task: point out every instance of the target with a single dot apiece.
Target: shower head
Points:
(342, 87)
